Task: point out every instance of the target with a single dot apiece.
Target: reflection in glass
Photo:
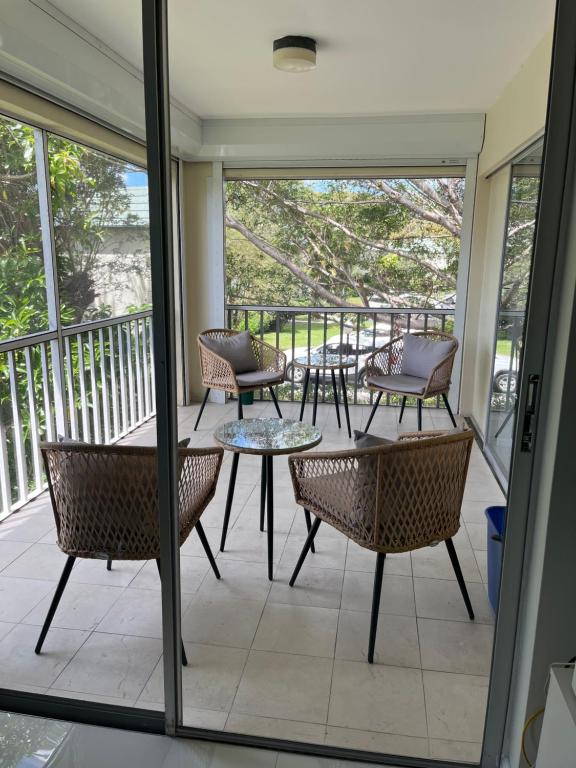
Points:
(101, 233)
(23, 304)
(516, 266)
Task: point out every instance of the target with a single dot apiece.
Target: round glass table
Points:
(266, 438)
(324, 363)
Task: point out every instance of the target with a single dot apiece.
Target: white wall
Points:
(515, 120)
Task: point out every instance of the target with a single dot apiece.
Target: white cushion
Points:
(421, 355)
(412, 385)
(258, 378)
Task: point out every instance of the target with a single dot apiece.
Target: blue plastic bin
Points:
(496, 517)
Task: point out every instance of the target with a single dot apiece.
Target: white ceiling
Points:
(375, 57)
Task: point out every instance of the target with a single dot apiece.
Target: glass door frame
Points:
(491, 457)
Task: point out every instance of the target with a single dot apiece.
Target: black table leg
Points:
(263, 493)
(316, 385)
(345, 400)
(270, 515)
(335, 390)
(229, 498)
(304, 392)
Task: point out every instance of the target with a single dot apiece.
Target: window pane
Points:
(23, 306)
(515, 279)
(101, 232)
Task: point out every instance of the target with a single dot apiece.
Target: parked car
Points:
(505, 378)
(361, 348)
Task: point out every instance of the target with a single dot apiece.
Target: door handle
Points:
(527, 438)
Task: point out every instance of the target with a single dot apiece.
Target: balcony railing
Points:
(345, 331)
(94, 382)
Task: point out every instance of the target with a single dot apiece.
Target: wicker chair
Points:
(219, 373)
(384, 373)
(105, 503)
(393, 498)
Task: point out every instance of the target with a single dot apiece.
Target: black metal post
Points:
(458, 571)
(378, 573)
(263, 493)
(305, 550)
(157, 108)
(345, 400)
(335, 390)
(275, 401)
(204, 541)
(373, 411)
(316, 385)
(308, 520)
(69, 564)
(270, 515)
(229, 499)
(447, 404)
(304, 392)
(202, 408)
(240, 409)
(402, 409)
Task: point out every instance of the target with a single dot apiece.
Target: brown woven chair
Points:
(220, 373)
(105, 503)
(386, 372)
(391, 498)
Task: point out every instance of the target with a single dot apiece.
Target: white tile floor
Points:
(266, 659)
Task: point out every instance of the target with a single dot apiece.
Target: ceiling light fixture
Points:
(294, 53)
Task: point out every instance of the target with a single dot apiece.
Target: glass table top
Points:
(267, 436)
(318, 360)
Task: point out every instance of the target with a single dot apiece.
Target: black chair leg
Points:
(207, 549)
(378, 573)
(402, 410)
(419, 409)
(447, 404)
(278, 411)
(109, 564)
(309, 527)
(184, 657)
(458, 571)
(55, 601)
(374, 407)
(263, 494)
(202, 408)
(305, 550)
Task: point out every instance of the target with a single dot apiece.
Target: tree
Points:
(350, 242)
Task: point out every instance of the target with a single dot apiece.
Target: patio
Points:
(266, 659)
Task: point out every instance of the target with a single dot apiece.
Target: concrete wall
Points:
(515, 120)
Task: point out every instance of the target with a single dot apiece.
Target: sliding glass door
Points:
(512, 302)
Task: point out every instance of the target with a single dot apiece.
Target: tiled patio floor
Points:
(263, 658)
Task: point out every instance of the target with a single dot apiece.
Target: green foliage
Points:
(342, 241)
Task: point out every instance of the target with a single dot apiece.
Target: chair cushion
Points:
(366, 440)
(258, 378)
(399, 382)
(236, 349)
(421, 355)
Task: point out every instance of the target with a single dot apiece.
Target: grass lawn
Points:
(301, 334)
(503, 347)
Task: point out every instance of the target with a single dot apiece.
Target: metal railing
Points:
(93, 382)
(347, 331)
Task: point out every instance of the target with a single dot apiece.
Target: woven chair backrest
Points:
(105, 498)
